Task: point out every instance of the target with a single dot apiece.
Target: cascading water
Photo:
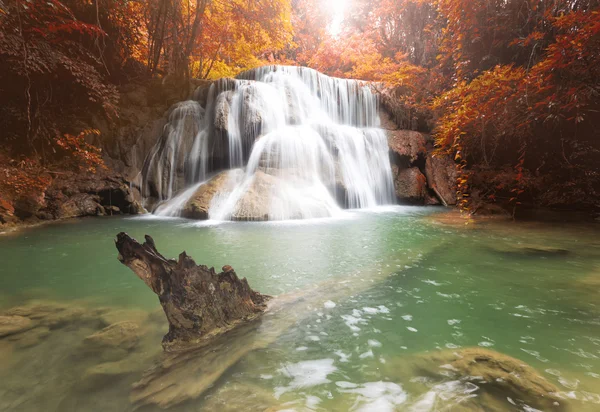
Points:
(310, 145)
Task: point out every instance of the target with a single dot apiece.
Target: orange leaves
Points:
(469, 109)
(23, 177)
(238, 35)
(566, 76)
(79, 153)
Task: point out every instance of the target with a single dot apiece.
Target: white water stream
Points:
(310, 144)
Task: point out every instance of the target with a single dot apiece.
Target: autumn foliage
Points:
(509, 88)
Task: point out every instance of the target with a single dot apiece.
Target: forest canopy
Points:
(509, 88)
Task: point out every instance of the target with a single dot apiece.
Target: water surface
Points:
(408, 285)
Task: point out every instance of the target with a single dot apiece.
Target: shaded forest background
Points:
(509, 88)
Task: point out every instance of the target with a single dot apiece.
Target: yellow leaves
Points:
(240, 34)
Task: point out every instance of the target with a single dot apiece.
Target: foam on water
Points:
(375, 396)
(306, 374)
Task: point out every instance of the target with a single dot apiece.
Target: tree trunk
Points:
(199, 303)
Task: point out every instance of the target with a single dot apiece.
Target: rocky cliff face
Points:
(420, 178)
(73, 195)
(144, 118)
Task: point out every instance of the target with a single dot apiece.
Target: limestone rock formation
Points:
(407, 144)
(254, 205)
(441, 177)
(222, 111)
(198, 303)
(410, 185)
(199, 204)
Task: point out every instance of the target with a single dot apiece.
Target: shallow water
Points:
(396, 283)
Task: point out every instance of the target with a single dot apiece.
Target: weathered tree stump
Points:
(199, 303)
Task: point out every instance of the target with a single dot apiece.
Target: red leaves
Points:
(79, 153)
(22, 177)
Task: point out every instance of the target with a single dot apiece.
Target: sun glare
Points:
(337, 8)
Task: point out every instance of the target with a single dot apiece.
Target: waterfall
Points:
(309, 145)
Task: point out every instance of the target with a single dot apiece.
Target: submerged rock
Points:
(30, 337)
(494, 376)
(105, 373)
(591, 282)
(14, 324)
(110, 316)
(123, 335)
(198, 302)
(53, 314)
(528, 249)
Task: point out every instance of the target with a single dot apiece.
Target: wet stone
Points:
(121, 335)
(111, 317)
(52, 314)
(105, 373)
(530, 250)
(31, 337)
(489, 374)
(10, 325)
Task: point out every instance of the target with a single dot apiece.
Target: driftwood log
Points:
(180, 376)
(199, 303)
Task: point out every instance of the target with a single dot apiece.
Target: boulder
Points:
(441, 177)
(407, 144)
(199, 204)
(495, 376)
(222, 111)
(122, 335)
(410, 185)
(82, 204)
(254, 205)
(198, 303)
(10, 325)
